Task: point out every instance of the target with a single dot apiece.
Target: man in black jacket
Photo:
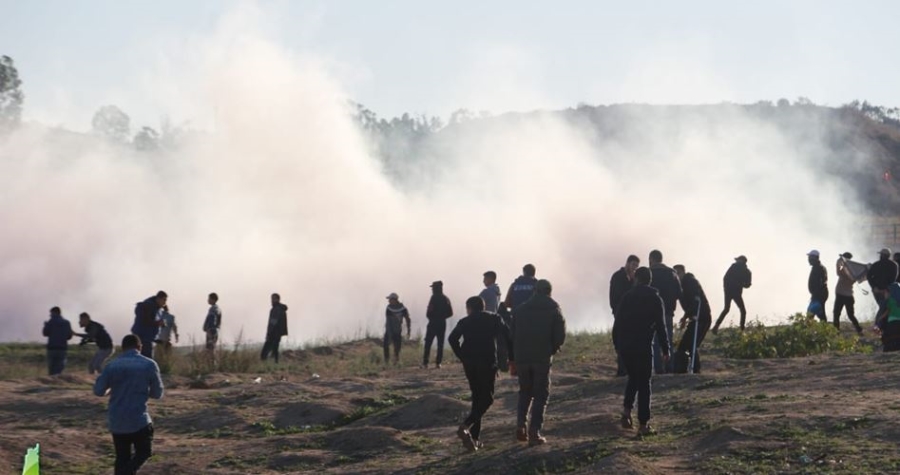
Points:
(276, 329)
(480, 332)
(439, 310)
(641, 317)
(666, 281)
(521, 289)
(691, 293)
(881, 275)
(621, 282)
(94, 332)
(818, 285)
(737, 278)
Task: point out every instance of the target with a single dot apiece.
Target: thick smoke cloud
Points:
(280, 193)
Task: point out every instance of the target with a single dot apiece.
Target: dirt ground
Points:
(822, 414)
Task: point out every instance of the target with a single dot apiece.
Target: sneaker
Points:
(715, 330)
(627, 422)
(536, 439)
(646, 430)
(437, 365)
(522, 434)
(478, 445)
(466, 437)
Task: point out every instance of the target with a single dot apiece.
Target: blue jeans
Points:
(56, 361)
(657, 350)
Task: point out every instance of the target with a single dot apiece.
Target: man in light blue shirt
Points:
(129, 380)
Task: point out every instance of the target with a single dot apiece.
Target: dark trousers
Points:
(270, 346)
(738, 298)
(396, 339)
(128, 462)
(620, 368)
(56, 361)
(435, 329)
(687, 340)
(658, 364)
(534, 392)
(841, 302)
(502, 355)
(481, 381)
(147, 347)
(890, 336)
(640, 367)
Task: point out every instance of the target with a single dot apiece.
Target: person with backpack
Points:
(147, 322)
(394, 315)
(691, 293)
(95, 333)
(521, 289)
(276, 329)
(737, 278)
(439, 310)
(58, 331)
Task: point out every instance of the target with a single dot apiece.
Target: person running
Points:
(691, 293)
(95, 333)
(479, 330)
(641, 318)
(538, 332)
(843, 293)
(439, 310)
(666, 281)
(58, 331)
(168, 330)
(276, 329)
(619, 284)
(146, 321)
(521, 289)
(737, 278)
(881, 274)
(213, 321)
(818, 286)
(491, 292)
(130, 380)
(395, 314)
(888, 319)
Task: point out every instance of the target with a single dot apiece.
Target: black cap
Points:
(437, 283)
(847, 255)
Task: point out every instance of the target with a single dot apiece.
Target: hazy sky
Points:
(434, 57)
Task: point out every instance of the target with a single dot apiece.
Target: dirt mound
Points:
(302, 414)
(203, 420)
(357, 441)
(721, 437)
(67, 379)
(621, 464)
(431, 410)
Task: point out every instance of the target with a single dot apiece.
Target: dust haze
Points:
(278, 191)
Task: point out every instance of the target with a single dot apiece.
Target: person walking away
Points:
(95, 333)
(58, 331)
(130, 380)
(276, 329)
(146, 322)
(843, 293)
(881, 274)
(641, 318)
(538, 333)
(521, 289)
(395, 314)
(439, 310)
(619, 284)
(168, 330)
(480, 331)
(737, 278)
(666, 281)
(818, 286)
(491, 292)
(691, 293)
(888, 319)
(213, 321)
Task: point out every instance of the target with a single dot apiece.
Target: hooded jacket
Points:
(691, 290)
(737, 278)
(538, 330)
(439, 308)
(491, 297)
(640, 314)
(277, 322)
(480, 333)
(666, 281)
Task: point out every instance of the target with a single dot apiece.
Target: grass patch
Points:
(804, 335)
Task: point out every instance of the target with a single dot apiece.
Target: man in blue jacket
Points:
(146, 324)
(58, 331)
(130, 380)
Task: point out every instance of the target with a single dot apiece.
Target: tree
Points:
(111, 123)
(11, 96)
(147, 139)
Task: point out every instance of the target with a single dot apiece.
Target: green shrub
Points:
(804, 335)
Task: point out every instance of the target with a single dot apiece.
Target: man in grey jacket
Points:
(491, 292)
(539, 331)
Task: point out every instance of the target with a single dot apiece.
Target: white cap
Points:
(393, 295)
(813, 253)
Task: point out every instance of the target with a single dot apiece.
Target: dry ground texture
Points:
(830, 413)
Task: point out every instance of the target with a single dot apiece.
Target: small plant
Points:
(804, 335)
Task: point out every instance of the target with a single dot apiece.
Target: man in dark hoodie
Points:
(881, 274)
(146, 324)
(666, 281)
(439, 310)
(737, 278)
(394, 315)
(539, 331)
(641, 317)
(480, 331)
(58, 331)
(818, 285)
(94, 332)
(277, 328)
(621, 282)
(691, 293)
(521, 289)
